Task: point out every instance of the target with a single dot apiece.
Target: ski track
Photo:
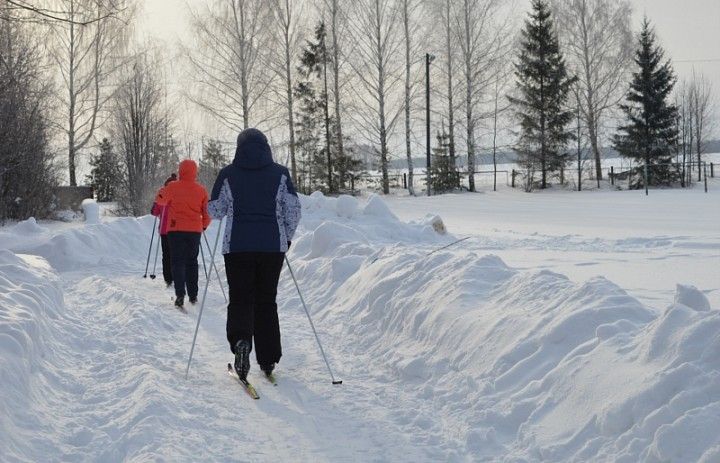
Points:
(124, 357)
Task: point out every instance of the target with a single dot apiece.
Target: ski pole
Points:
(152, 237)
(157, 246)
(202, 255)
(212, 262)
(202, 305)
(312, 325)
(433, 251)
(448, 245)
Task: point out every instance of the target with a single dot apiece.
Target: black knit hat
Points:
(171, 178)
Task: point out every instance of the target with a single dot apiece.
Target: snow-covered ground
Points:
(555, 333)
(646, 244)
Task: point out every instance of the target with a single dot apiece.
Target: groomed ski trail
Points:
(126, 399)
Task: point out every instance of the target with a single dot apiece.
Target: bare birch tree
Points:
(139, 124)
(596, 36)
(377, 64)
(287, 13)
(482, 40)
(500, 107)
(86, 50)
(337, 12)
(446, 10)
(701, 111)
(227, 61)
(25, 11)
(411, 29)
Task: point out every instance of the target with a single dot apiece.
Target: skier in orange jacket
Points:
(188, 217)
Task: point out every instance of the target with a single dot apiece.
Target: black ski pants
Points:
(252, 312)
(166, 260)
(184, 249)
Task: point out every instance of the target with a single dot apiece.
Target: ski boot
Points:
(268, 368)
(242, 358)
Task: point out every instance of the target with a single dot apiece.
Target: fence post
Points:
(562, 175)
(645, 170)
(352, 184)
(513, 178)
(579, 175)
(405, 184)
(705, 172)
(612, 175)
(712, 170)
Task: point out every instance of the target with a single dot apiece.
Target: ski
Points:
(271, 377)
(179, 307)
(244, 383)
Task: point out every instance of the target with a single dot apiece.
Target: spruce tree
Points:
(324, 165)
(212, 161)
(543, 88)
(443, 173)
(308, 139)
(650, 135)
(314, 63)
(105, 175)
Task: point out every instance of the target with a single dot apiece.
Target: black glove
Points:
(289, 243)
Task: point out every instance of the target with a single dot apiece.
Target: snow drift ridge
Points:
(538, 367)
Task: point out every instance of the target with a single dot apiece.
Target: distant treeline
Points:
(509, 156)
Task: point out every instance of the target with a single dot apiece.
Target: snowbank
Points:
(27, 227)
(116, 243)
(124, 242)
(535, 366)
(30, 303)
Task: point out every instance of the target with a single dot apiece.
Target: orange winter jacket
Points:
(187, 201)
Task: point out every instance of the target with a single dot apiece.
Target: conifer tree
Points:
(314, 65)
(443, 173)
(105, 175)
(543, 88)
(325, 164)
(650, 135)
(212, 161)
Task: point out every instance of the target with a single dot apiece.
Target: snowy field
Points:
(644, 244)
(568, 327)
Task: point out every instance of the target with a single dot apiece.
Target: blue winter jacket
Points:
(258, 198)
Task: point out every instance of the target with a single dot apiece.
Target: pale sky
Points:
(690, 33)
(689, 30)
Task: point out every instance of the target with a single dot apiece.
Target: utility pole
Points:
(428, 59)
(579, 149)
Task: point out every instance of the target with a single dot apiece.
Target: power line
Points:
(707, 60)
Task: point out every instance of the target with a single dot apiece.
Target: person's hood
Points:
(188, 170)
(253, 150)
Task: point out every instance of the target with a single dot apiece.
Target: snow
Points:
(646, 244)
(346, 206)
(27, 227)
(377, 207)
(569, 327)
(91, 209)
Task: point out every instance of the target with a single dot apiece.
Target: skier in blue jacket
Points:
(263, 210)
